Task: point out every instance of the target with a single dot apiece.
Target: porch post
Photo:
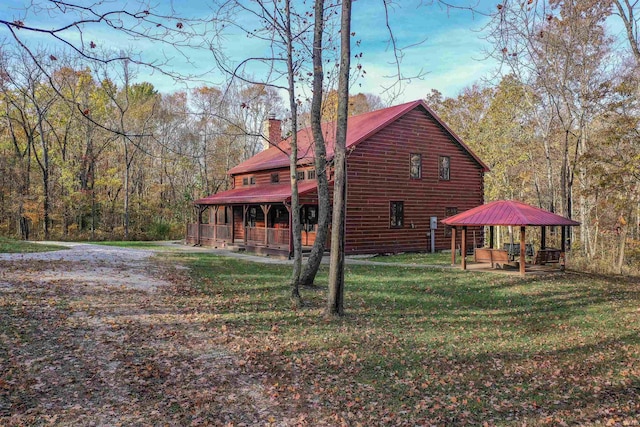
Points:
(290, 229)
(522, 250)
(233, 224)
(265, 210)
(453, 245)
(543, 237)
(463, 246)
(244, 221)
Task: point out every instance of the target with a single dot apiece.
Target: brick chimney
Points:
(272, 130)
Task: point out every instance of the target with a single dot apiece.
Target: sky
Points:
(448, 48)
(450, 56)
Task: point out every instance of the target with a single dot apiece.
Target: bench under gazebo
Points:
(508, 213)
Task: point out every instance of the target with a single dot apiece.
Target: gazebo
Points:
(506, 213)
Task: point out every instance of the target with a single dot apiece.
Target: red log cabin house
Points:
(404, 166)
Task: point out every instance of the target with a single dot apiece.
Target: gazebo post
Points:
(200, 210)
(463, 247)
(215, 224)
(491, 231)
(522, 250)
(453, 245)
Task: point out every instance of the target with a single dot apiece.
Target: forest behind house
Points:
(93, 153)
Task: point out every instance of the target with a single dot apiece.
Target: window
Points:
(444, 163)
(396, 214)
(300, 175)
(309, 218)
(447, 213)
(415, 161)
(275, 178)
(311, 174)
(252, 214)
(252, 180)
(245, 181)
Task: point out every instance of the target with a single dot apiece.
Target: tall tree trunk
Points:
(315, 257)
(45, 168)
(335, 303)
(127, 167)
(296, 298)
(622, 239)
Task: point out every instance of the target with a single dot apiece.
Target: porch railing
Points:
(209, 232)
(275, 236)
(255, 235)
(278, 236)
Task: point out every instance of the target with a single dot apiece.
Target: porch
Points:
(255, 218)
(264, 229)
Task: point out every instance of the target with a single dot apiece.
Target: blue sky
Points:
(451, 55)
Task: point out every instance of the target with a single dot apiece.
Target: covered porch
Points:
(254, 218)
(516, 215)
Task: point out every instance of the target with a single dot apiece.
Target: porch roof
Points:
(507, 212)
(269, 193)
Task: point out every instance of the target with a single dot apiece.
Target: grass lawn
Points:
(421, 346)
(18, 246)
(437, 258)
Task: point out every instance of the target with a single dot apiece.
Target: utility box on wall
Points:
(434, 223)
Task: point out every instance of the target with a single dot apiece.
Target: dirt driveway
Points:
(98, 335)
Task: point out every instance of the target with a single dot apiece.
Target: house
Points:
(404, 166)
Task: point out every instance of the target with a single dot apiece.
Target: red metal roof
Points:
(507, 212)
(359, 128)
(269, 193)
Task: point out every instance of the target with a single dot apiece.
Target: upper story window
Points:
(396, 214)
(252, 180)
(444, 167)
(245, 181)
(300, 175)
(415, 161)
(311, 174)
(275, 178)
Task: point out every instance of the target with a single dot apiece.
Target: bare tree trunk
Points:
(45, 168)
(335, 303)
(127, 167)
(296, 298)
(624, 231)
(315, 257)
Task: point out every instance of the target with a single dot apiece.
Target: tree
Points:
(320, 151)
(335, 303)
(558, 49)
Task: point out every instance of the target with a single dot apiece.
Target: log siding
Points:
(378, 172)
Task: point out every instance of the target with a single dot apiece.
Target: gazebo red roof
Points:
(507, 212)
(359, 128)
(269, 193)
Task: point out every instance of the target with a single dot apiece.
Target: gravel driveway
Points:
(101, 336)
(85, 263)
